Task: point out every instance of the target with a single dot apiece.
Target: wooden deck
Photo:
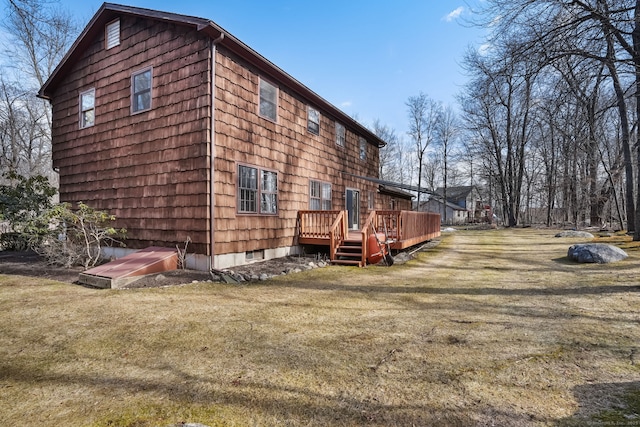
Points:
(402, 229)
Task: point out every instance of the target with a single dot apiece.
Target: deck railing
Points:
(323, 226)
(417, 227)
(402, 228)
(316, 224)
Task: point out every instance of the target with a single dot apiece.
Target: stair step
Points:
(346, 262)
(349, 255)
(350, 249)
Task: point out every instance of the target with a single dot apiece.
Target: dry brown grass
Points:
(490, 328)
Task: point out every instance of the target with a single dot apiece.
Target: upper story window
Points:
(87, 108)
(141, 84)
(363, 149)
(268, 107)
(319, 196)
(313, 121)
(257, 191)
(340, 135)
(112, 34)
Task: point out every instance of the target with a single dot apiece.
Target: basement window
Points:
(254, 255)
(112, 34)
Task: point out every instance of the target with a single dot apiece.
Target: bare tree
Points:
(606, 31)
(447, 130)
(388, 168)
(38, 34)
(423, 114)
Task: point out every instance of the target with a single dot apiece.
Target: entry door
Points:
(353, 208)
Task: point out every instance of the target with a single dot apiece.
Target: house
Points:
(182, 131)
(454, 214)
(466, 197)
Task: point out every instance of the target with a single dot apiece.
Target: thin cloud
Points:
(454, 14)
(346, 104)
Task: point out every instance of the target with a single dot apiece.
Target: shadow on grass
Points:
(605, 404)
(267, 401)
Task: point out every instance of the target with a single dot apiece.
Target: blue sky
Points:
(364, 56)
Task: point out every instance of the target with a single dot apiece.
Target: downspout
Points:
(212, 153)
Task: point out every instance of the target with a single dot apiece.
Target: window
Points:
(254, 255)
(340, 135)
(363, 149)
(257, 185)
(372, 200)
(319, 196)
(268, 100)
(87, 108)
(269, 192)
(112, 34)
(313, 121)
(141, 84)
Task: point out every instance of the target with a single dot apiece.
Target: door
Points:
(353, 208)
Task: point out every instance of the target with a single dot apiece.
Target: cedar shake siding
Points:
(286, 147)
(149, 169)
(171, 170)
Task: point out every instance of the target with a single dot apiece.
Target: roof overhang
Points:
(110, 11)
(391, 183)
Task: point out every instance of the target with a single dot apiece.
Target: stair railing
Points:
(337, 234)
(367, 229)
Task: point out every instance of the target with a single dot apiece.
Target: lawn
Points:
(489, 328)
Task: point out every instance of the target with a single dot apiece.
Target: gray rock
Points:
(160, 278)
(264, 276)
(574, 233)
(596, 253)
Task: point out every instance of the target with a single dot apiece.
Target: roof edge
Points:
(108, 10)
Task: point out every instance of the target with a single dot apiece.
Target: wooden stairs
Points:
(349, 252)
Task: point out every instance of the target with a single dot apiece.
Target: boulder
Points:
(596, 253)
(574, 233)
